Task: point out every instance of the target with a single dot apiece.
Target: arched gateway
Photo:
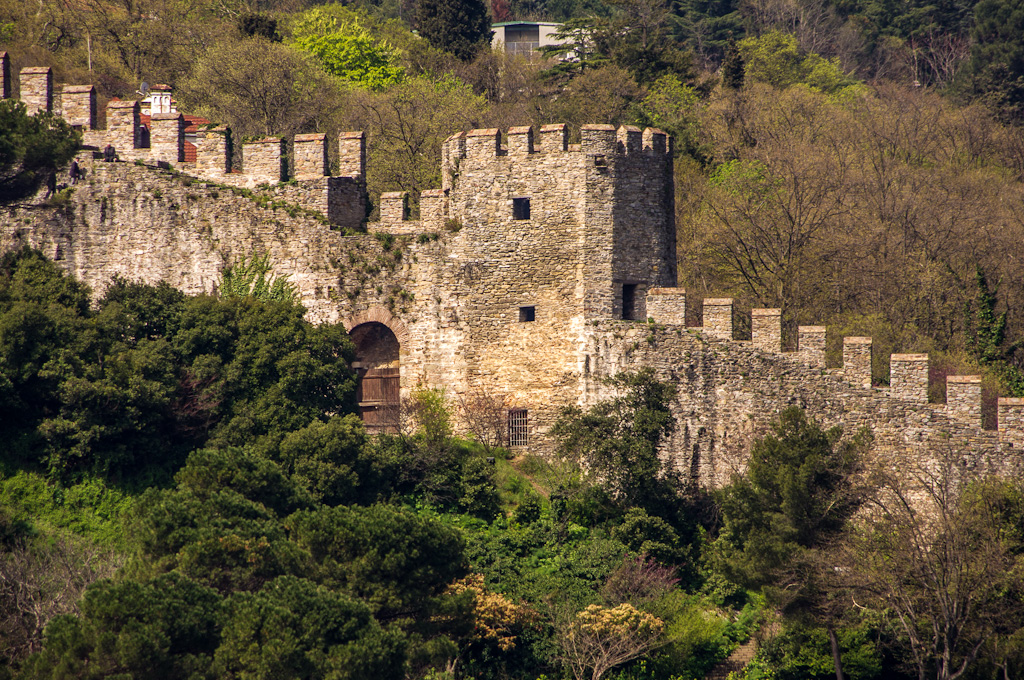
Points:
(378, 338)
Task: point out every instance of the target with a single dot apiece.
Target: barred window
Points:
(518, 427)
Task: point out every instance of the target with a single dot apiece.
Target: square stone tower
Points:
(551, 236)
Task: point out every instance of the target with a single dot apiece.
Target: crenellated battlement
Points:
(909, 373)
(595, 140)
(530, 272)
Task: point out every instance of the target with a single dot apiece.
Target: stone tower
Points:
(551, 237)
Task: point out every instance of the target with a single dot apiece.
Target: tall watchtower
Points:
(551, 236)
(605, 205)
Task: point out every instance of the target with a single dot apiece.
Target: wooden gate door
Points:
(378, 395)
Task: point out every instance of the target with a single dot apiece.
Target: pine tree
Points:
(461, 27)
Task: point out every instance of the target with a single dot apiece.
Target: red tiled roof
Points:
(190, 152)
(192, 123)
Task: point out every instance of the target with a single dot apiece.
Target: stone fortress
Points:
(535, 271)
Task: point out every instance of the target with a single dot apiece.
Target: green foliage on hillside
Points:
(150, 374)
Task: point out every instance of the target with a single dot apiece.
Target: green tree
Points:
(259, 87)
(164, 628)
(461, 27)
(942, 554)
(774, 58)
(335, 462)
(996, 67)
(616, 441)
(248, 278)
(32, 148)
(294, 628)
(347, 50)
(395, 561)
(222, 525)
(785, 511)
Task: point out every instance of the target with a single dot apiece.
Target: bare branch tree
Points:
(598, 639)
(39, 581)
(485, 415)
(936, 555)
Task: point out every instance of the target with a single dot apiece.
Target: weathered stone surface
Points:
(310, 156)
(37, 88)
(857, 361)
(909, 377)
(667, 305)
(963, 398)
(811, 345)
(515, 281)
(766, 329)
(78, 106)
(718, 317)
(167, 138)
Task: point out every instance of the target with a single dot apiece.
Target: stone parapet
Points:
(394, 206)
(554, 138)
(1011, 420)
(963, 398)
(263, 160)
(667, 305)
(811, 344)
(310, 156)
(908, 377)
(123, 127)
(598, 140)
(857, 361)
(167, 137)
(657, 142)
(6, 86)
(485, 143)
(352, 154)
(630, 138)
(766, 329)
(78, 106)
(37, 88)
(520, 140)
(433, 208)
(213, 151)
(718, 318)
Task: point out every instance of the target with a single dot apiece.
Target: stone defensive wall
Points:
(729, 390)
(538, 268)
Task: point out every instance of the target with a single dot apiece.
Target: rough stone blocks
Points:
(963, 398)
(908, 377)
(667, 305)
(857, 361)
(167, 137)
(766, 329)
(37, 88)
(718, 318)
(310, 156)
(78, 106)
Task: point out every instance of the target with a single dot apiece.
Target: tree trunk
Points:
(836, 658)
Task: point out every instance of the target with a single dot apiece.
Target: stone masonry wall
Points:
(514, 281)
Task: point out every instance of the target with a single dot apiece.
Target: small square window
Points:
(518, 427)
(527, 313)
(520, 208)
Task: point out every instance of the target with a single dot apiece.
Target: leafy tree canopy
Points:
(32, 148)
(347, 50)
(461, 27)
(796, 495)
